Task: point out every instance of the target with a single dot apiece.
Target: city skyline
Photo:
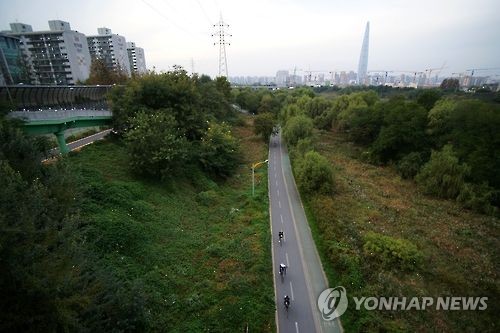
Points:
(283, 34)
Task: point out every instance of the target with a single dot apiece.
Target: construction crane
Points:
(381, 71)
(473, 70)
(480, 69)
(414, 76)
(430, 70)
(309, 73)
(295, 69)
(333, 73)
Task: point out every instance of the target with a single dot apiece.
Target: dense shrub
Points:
(392, 251)
(296, 128)
(207, 198)
(403, 130)
(478, 198)
(301, 148)
(157, 147)
(314, 174)
(219, 150)
(410, 165)
(428, 97)
(443, 176)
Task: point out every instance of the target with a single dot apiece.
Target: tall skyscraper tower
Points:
(363, 57)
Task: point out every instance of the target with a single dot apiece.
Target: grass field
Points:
(458, 250)
(197, 250)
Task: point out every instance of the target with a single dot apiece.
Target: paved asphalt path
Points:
(81, 142)
(304, 279)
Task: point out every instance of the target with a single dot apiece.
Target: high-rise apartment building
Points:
(363, 57)
(59, 56)
(111, 48)
(136, 58)
(282, 78)
(10, 60)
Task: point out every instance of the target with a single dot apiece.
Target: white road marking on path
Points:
(278, 192)
(287, 262)
(281, 217)
(291, 291)
(279, 203)
(296, 327)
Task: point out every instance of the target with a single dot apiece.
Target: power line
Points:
(204, 12)
(168, 19)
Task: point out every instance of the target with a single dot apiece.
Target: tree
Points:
(428, 97)
(219, 150)
(223, 86)
(403, 130)
(173, 90)
(472, 127)
(157, 146)
(264, 125)
(296, 128)
(101, 74)
(314, 174)
(443, 176)
(450, 84)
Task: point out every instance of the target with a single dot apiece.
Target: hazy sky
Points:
(269, 35)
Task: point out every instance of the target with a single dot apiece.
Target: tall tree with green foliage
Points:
(403, 130)
(450, 84)
(219, 150)
(264, 124)
(428, 97)
(101, 74)
(296, 128)
(157, 146)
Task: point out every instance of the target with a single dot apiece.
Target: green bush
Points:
(207, 198)
(219, 150)
(314, 174)
(478, 198)
(156, 145)
(296, 128)
(443, 176)
(302, 147)
(410, 165)
(403, 130)
(392, 251)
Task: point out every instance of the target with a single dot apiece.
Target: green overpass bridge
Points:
(58, 121)
(54, 109)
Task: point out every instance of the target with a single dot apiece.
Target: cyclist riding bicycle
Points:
(282, 268)
(280, 235)
(286, 301)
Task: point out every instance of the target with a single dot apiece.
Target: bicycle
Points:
(286, 302)
(282, 271)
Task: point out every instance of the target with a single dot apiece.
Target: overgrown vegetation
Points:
(152, 230)
(384, 235)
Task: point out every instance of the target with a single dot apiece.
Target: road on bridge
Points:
(304, 279)
(81, 142)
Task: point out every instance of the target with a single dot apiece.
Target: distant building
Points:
(363, 57)
(111, 48)
(10, 60)
(136, 58)
(59, 56)
(282, 78)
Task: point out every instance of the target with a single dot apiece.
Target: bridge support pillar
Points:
(63, 148)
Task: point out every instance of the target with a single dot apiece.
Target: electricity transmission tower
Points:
(221, 35)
